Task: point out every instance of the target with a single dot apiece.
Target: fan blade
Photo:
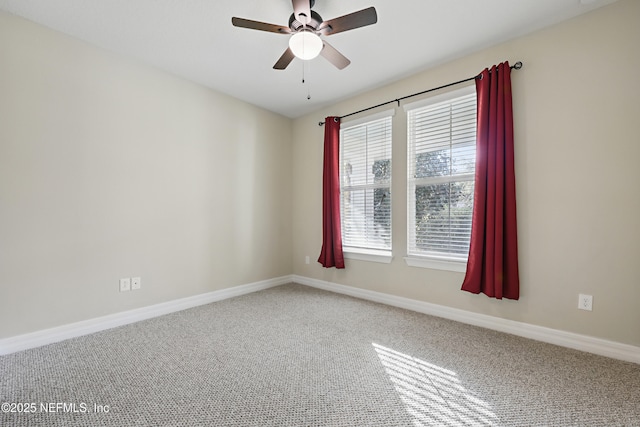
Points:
(302, 10)
(332, 55)
(284, 60)
(262, 26)
(351, 21)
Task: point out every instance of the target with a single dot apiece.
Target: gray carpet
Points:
(298, 356)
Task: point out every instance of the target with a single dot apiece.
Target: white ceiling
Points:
(195, 39)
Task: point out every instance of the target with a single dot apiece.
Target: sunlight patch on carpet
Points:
(431, 394)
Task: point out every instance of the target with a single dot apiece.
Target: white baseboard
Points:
(585, 343)
(85, 327)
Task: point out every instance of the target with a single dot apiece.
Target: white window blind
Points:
(365, 185)
(441, 168)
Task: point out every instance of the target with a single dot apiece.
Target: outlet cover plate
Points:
(136, 283)
(585, 302)
(125, 284)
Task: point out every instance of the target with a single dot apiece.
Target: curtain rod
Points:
(515, 66)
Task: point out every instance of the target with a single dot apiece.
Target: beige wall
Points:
(576, 106)
(112, 169)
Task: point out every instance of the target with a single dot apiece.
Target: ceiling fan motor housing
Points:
(314, 23)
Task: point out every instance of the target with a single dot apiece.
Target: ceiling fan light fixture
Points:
(305, 45)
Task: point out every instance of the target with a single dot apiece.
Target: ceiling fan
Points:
(305, 27)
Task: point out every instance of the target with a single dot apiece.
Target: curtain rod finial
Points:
(517, 65)
(320, 123)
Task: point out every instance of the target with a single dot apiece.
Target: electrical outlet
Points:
(585, 302)
(306, 259)
(136, 283)
(125, 284)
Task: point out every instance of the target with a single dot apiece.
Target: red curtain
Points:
(331, 255)
(492, 267)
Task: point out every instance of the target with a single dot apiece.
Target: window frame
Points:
(433, 260)
(369, 254)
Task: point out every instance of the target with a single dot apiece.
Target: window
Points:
(365, 186)
(441, 168)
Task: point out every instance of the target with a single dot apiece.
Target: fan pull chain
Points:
(304, 27)
(304, 80)
(308, 85)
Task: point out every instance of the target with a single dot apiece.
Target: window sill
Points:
(383, 257)
(437, 263)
